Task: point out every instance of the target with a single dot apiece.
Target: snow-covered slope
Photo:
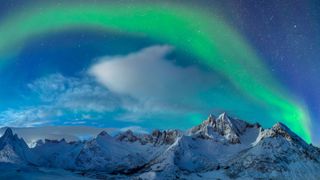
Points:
(104, 153)
(277, 153)
(54, 153)
(221, 147)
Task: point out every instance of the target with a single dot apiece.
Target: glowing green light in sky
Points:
(215, 43)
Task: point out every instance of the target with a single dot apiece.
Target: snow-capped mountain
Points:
(223, 128)
(13, 149)
(277, 153)
(221, 147)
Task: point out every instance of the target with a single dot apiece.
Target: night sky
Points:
(166, 64)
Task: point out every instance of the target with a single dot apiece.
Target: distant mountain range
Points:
(219, 148)
(70, 133)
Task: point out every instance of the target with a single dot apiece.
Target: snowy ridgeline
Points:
(221, 147)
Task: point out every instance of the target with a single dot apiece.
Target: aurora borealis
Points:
(55, 55)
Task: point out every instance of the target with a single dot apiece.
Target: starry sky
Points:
(165, 64)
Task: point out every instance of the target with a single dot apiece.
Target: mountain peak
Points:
(223, 115)
(103, 133)
(211, 117)
(282, 130)
(8, 133)
(128, 132)
(127, 136)
(12, 148)
(228, 128)
(211, 120)
(225, 126)
(280, 126)
(224, 118)
(104, 136)
(166, 136)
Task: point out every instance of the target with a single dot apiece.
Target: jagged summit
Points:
(12, 148)
(223, 116)
(280, 130)
(213, 128)
(166, 136)
(127, 136)
(8, 133)
(9, 138)
(103, 134)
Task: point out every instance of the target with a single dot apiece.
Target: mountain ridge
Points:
(222, 147)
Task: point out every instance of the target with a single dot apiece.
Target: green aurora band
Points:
(208, 38)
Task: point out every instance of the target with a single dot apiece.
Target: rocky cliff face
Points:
(230, 129)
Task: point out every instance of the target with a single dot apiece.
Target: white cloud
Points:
(147, 74)
(60, 95)
(26, 117)
(156, 83)
(49, 87)
(80, 94)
